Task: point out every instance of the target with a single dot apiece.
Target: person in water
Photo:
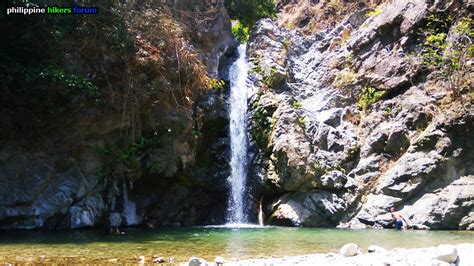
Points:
(397, 219)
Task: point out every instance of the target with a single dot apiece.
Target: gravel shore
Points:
(462, 254)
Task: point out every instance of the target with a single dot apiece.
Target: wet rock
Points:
(87, 212)
(194, 261)
(349, 250)
(115, 219)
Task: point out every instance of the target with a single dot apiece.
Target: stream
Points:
(93, 246)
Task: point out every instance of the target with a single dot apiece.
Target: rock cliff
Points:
(105, 130)
(351, 120)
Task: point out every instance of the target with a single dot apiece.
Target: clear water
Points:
(238, 138)
(91, 246)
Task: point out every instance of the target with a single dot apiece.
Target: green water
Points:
(90, 246)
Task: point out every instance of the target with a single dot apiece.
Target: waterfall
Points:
(238, 73)
(260, 212)
(129, 207)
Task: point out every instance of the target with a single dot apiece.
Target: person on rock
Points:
(397, 219)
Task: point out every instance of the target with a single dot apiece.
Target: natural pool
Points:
(92, 246)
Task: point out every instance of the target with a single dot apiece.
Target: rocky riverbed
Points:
(350, 254)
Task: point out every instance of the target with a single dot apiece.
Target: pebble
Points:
(219, 260)
(375, 248)
(159, 260)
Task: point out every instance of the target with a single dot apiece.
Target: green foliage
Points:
(318, 170)
(368, 97)
(127, 158)
(217, 84)
(48, 69)
(249, 11)
(296, 104)
(448, 58)
(262, 126)
(375, 12)
(352, 153)
(301, 121)
(387, 112)
(241, 32)
(286, 43)
(59, 76)
(269, 80)
(256, 70)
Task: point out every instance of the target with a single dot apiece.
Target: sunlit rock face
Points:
(332, 158)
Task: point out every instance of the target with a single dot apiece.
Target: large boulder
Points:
(349, 250)
(317, 208)
(40, 196)
(447, 253)
(447, 208)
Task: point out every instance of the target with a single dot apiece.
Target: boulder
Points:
(446, 208)
(316, 208)
(376, 210)
(447, 253)
(349, 250)
(194, 261)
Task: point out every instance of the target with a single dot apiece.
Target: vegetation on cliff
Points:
(246, 13)
(128, 62)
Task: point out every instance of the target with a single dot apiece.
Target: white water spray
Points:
(129, 207)
(238, 138)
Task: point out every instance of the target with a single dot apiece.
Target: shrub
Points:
(301, 121)
(249, 11)
(375, 12)
(296, 104)
(448, 58)
(240, 32)
(368, 97)
(262, 125)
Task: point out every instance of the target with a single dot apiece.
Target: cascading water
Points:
(129, 207)
(238, 73)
